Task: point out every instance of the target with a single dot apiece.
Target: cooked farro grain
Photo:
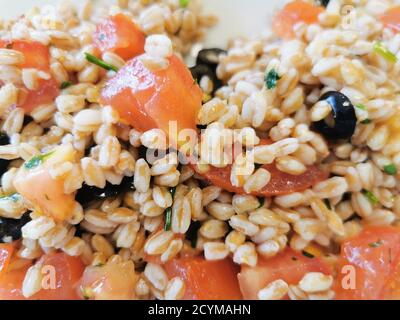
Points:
(315, 282)
(276, 290)
(214, 229)
(156, 275)
(246, 254)
(175, 289)
(131, 197)
(215, 250)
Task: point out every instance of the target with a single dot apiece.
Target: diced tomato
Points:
(120, 35)
(109, 282)
(293, 13)
(391, 19)
(206, 280)
(46, 93)
(66, 270)
(374, 255)
(153, 99)
(6, 251)
(11, 284)
(37, 56)
(289, 265)
(281, 183)
(44, 192)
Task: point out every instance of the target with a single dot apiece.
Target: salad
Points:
(267, 170)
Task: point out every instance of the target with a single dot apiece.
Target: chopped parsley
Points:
(86, 293)
(184, 3)
(307, 254)
(328, 204)
(361, 107)
(192, 233)
(65, 84)
(390, 169)
(37, 160)
(366, 121)
(271, 78)
(376, 244)
(371, 197)
(15, 197)
(384, 52)
(168, 212)
(262, 201)
(92, 59)
(324, 3)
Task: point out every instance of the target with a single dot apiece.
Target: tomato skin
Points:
(206, 280)
(120, 35)
(375, 256)
(110, 282)
(149, 99)
(292, 13)
(6, 251)
(391, 19)
(68, 271)
(44, 192)
(37, 56)
(11, 284)
(281, 183)
(46, 93)
(288, 265)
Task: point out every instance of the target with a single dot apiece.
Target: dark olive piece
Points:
(210, 57)
(324, 3)
(11, 228)
(88, 194)
(4, 140)
(201, 70)
(344, 117)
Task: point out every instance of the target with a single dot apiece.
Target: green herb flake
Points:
(328, 204)
(15, 197)
(375, 244)
(65, 85)
(86, 293)
(371, 197)
(366, 121)
(308, 255)
(37, 160)
(385, 53)
(192, 233)
(184, 3)
(262, 202)
(390, 169)
(168, 212)
(92, 59)
(361, 107)
(271, 78)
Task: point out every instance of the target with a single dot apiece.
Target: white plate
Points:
(237, 17)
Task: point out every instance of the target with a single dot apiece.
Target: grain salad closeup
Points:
(266, 170)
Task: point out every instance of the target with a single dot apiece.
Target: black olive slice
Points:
(4, 140)
(210, 57)
(201, 70)
(12, 227)
(88, 194)
(344, 117)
